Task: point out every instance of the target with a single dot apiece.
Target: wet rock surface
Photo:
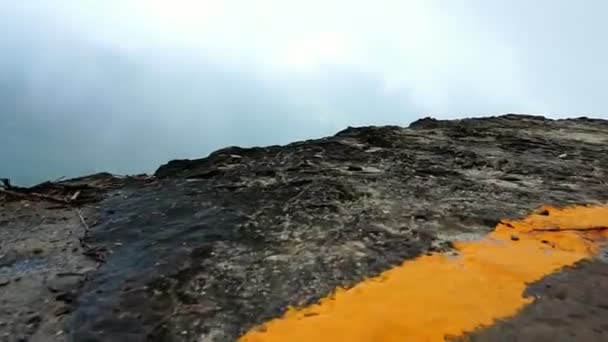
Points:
(209, 248)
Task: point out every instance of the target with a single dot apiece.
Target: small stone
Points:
(371, 169)
(544, 212)
(34, 319)
(498, 164)
(562, 156)
(62, 311)
(514, 237)
(64, 283)
(278, 257)
(4, 281)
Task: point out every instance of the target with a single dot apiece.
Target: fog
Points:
(125, 85)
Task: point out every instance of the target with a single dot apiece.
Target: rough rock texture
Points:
(208, 248)
(42, 265)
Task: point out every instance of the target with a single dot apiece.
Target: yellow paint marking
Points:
(431, 297)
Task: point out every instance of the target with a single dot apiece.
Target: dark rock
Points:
(426, 123)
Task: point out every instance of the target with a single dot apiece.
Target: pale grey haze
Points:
(125, 85)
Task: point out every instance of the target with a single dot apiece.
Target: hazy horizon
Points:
(126, 85)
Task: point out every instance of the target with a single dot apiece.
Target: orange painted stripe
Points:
(431, 297)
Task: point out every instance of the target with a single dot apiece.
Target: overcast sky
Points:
(125, 85)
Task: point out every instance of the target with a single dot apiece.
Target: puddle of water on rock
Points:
(434, 296)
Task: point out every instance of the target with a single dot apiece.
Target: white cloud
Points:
(310, 52)
(520, 57)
